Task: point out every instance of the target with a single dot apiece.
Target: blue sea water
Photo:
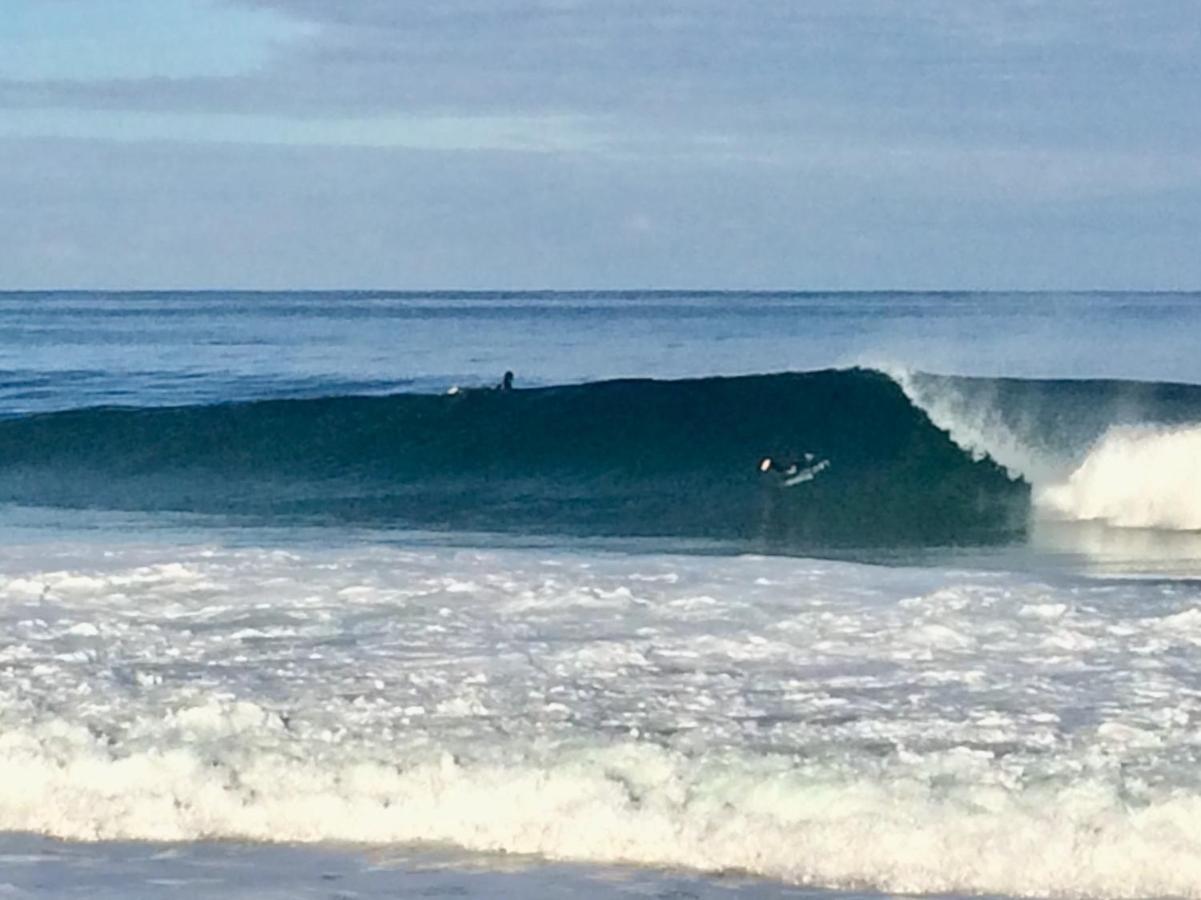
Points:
(63, 350)
(887, 591)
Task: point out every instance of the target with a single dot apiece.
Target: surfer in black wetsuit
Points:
(795, 473)
(506, 383)
(772, 465)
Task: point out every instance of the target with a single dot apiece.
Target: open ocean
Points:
(293, 604)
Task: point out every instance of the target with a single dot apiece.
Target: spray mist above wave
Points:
(630, 458)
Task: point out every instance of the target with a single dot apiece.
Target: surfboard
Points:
(807, 474)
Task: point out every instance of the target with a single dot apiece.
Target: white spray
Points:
(1134, 477)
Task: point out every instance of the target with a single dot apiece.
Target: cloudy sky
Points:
(600, 143)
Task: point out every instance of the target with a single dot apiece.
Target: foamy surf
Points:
(1135, 477)
(822, 723)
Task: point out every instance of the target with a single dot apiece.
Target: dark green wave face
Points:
(676, 459)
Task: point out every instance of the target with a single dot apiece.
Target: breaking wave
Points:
(778, 463)
(852, 462)
(931, 830)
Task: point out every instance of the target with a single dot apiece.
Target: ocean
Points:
(733, 595)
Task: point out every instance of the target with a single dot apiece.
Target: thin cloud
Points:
(851, 143)
(680, 76)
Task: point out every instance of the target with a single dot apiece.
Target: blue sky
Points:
(600, 143)
(95, 41)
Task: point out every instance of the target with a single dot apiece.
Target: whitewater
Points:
(824, 723)
(279, 615)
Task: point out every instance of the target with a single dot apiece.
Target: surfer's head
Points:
(506, 383)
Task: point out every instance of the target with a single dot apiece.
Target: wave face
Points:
(636, 458)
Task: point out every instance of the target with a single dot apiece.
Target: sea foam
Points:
(826, 723)
(1135, 477)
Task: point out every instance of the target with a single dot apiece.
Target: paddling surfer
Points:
(794, 473)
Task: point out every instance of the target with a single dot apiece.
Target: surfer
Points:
(769, 465)
(794, 473)
(506, 384)
(774, 465)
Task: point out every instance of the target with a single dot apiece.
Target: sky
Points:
(576, 144)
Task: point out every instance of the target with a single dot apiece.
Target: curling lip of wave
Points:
(1127, 454)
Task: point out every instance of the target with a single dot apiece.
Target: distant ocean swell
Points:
(901, 459)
